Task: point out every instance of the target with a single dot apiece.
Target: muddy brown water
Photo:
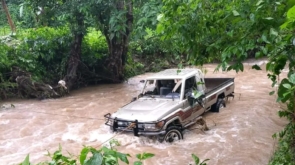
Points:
(240, 134)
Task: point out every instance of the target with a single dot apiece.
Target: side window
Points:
(150, 85)
(190, 83)
(166, 86)
(200, 83)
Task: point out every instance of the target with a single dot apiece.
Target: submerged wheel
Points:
(218, 105)
(221, 104)
(172, 134)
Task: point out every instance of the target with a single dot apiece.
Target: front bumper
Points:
(131, 126)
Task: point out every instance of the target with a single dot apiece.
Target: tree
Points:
(220, 29)
(10, 22)
(115, 20)
(235, 31)
(73, 12)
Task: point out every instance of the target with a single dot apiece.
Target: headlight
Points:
(150, 127)
(123, 123)
(154, 126)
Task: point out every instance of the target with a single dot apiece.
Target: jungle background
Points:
(49, 47)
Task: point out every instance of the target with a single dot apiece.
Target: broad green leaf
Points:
(264, 38)
(107, 150)
(269, 66)
(258, 54)
(138, 156)
(286, 94)
(123, 157)
(196, 159)
(259, 7)
(110, 159)
(271, 93)
(273, 32)
(292, 78)
(282, 90)
(241, 67)
(279, 64)
(235, 13)
(96, 159)
(26, 161)
(285, 25)
(288, 86)
(256, 67)
(160, 28)
(259, 2)
(147, 155)
(291, 13)
(159, 17)
(83, 154)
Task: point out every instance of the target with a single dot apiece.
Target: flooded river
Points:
(241, 133)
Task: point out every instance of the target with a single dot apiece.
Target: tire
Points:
(218, 105)
(173, 133)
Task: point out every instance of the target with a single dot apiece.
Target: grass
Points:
(4, 31)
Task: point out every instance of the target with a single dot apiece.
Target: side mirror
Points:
(191, 100)
(133, 99)
(142, 81)
(139, 96)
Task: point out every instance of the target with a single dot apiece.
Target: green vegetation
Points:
(234, 31)
(103, 156)
(80, 43)
(85, 43)
(284, 57)
(92, 156)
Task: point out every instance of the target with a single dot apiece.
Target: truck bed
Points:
(213, 84)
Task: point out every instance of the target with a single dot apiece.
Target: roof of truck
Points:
(174, 74)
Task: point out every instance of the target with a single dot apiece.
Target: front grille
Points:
(129, 126)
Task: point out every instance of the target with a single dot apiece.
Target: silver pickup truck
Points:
(169, 102)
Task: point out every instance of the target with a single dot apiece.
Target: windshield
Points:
(169, 88)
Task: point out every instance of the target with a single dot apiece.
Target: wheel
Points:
(221, 104)
(218, 105)
(172, 134)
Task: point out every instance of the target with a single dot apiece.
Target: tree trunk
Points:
(115, 60)
(118, 45)
(75, 55)
(73, 62)
(129, 22)
(11, 24)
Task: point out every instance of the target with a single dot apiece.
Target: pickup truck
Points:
(171, 101)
